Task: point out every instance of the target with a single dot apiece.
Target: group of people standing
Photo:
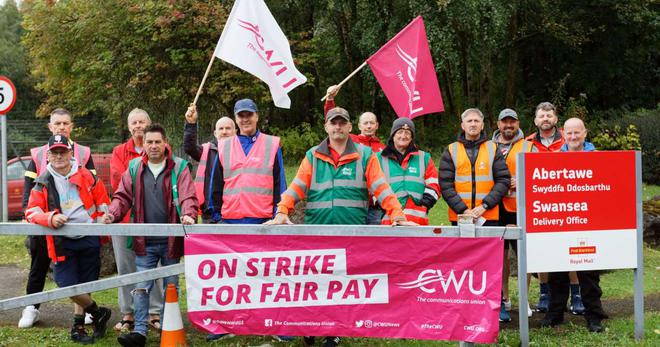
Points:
(240, 179)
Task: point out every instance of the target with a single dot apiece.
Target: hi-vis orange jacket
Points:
(375, 180)
(473, 173)
(44, 203)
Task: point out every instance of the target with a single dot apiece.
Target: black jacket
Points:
(194, 150)
(447, 172)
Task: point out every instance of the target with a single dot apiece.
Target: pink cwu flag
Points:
(404, 69)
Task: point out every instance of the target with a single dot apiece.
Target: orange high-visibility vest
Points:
(80, 152)
(483, 177)
(509, 200)
(248, 189)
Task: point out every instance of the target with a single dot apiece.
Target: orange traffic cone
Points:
(172, 333)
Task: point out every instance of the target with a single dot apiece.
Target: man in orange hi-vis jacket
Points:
(336, 177)
(66, 192)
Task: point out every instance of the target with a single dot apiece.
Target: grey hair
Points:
(60, 111)
(546, 106)
(471, 110)
(137, 111)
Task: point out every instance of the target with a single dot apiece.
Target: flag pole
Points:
(348, 77)
(206, 74)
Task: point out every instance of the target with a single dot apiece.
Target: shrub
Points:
(617, 139)
(296, 141)
(641, 132)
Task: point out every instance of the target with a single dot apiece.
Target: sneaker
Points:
(88, 319)
(215, 337)
(550, 322)
(29, 317)
(544, 303)
(529, 311)
(504, 314)
(132, 340)
(507, 304)
(79, 335)
(595, 326)
(284, 338)
(577, 307)
(309, 341)
(101, 322)
(331, 341)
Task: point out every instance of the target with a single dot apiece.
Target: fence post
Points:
(523, 299)
(638, 300)
(466, 228)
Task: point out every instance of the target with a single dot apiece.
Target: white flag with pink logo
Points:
(252, 41)
(404, 69)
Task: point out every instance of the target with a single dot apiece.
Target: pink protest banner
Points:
(391, 287)
(404, 69)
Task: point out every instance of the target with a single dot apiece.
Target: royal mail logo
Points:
(413, 95)
(432, 280)
(582, 250)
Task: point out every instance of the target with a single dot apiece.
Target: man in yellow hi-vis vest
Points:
(474, 177)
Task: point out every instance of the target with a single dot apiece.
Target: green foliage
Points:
(296, 141)
(644, 134)
(616, 139)
(102, 58)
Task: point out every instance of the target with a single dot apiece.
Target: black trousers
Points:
(38, 265)
(589, 289)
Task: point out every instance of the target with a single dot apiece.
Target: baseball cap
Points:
(507, 112)
(245, 105)
(58, 141)
(337, 112)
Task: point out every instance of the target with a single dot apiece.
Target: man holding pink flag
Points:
(405, 70)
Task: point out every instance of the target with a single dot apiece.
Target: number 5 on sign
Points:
(7, 95)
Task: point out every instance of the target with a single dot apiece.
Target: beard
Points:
(508, 134)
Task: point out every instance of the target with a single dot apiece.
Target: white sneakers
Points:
(29, 317)
(529, 311)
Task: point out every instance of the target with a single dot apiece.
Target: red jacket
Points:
(121, 155)
(122, 202)
(371, 141)
(44, 203)
(555, 146)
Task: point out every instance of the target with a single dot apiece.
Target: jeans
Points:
(125, 259)
(154, 253)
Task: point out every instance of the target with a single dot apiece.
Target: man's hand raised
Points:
(191, 114)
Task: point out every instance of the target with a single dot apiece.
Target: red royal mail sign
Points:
(580, 210)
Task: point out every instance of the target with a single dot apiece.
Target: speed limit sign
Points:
(7, 95)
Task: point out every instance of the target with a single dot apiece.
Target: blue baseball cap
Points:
(245, 105)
